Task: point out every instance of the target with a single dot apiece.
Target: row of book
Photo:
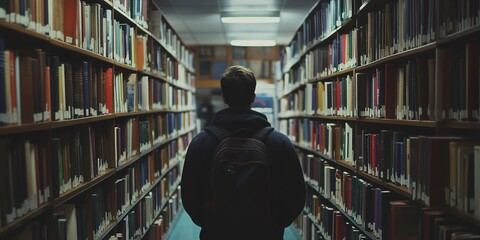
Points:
(141, 93)
(25, 86)
(458, 82)
(376, 210)
(133, 136)
(139, 221)
(139, 178)
(90, 26)
(458, 16)
(394, 91)
(400, 26)
(462, 189)
(92, 216)
(402, 91)
(71, 89)
(83, 24)
(398, 219)
(159, 27)
(334, 141)
(335, 98)
(332, 225)
(417, 163)
(325, 18)
(25, 171)
(135, 9)
(79, 156)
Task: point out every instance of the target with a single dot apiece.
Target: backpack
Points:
(240, 197)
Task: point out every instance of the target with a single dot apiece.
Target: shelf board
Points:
(79, 121)
(315, 116)
(357, 225)
(124, 66)
(424, 48)
(24, 31)
(459, 35)
(403, 191)
(460, 125)
(464, 216)
(160, 76)
(340, 163)
(316, 43)
(392, 187)
(129, 208)
(335, 74)
(83, 187)
(72, 48)
(164, 204)
(133, 159)
(107, 229)
(21, 221)
(293, 89)
(413, 123)
(207, 83)
(24, 128)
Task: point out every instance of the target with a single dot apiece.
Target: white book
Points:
(71, 218)
(31, 174)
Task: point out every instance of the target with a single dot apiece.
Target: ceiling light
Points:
(253, 43)
(250, 17)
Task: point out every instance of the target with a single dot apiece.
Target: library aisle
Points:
(184, 229)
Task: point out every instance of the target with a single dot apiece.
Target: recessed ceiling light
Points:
(253, 43)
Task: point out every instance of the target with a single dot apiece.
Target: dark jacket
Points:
(286, 169)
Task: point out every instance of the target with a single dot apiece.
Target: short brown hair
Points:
(238, 86)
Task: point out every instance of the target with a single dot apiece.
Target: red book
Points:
(339, 226)
(390, 91)
(109, 89)
(404, 220)
(70, 21)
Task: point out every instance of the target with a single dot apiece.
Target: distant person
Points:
(205, 112)
(232, 196)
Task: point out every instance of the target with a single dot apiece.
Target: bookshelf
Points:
(381, 101)
(96, 111)
(212, 60)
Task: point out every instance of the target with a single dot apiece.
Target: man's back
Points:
(287, 185)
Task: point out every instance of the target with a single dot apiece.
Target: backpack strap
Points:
(218, 132)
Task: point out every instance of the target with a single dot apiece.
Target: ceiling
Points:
(197, 22)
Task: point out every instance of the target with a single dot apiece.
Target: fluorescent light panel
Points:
(250, 17)
(253, 43)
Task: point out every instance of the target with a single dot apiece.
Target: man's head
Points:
(238, 86)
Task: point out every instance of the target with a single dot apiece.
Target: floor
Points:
(184, 229)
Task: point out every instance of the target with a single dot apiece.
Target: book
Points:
(26, 88)
(404, 220)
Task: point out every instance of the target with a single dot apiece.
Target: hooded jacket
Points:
(285, 169)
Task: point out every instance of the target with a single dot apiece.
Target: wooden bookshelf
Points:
(259, 59)
(431, 67)
(51, 128)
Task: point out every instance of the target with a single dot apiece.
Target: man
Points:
(238, 90)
